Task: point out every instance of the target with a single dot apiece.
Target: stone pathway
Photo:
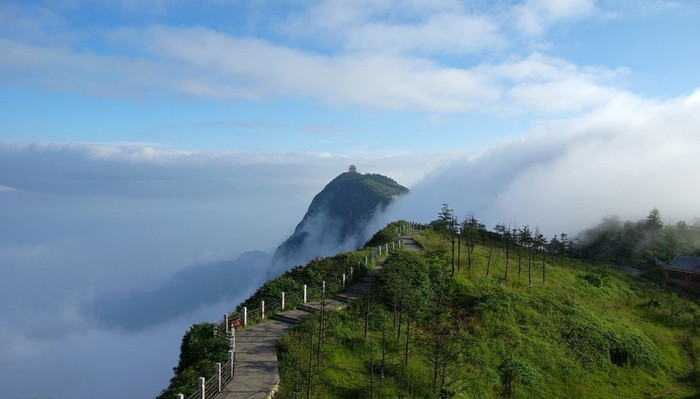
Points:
(256, 375)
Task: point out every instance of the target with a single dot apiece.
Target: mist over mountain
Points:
(185, 292)
(337, 218)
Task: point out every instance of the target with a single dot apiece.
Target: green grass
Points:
(199, 350)
(586, 332)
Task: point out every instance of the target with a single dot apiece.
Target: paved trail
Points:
(256, 375)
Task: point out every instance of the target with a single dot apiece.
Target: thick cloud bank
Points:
(97, 248)
(623, 159)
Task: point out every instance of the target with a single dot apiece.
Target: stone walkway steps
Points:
(256, 375)
(347, 296)
(291, 316)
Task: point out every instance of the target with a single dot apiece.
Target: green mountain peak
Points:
(337, 218)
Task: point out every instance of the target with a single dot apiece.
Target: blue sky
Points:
(341, 77)
(142, 139)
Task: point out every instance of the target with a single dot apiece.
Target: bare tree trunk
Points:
(470, 249)
(369, 291)
(408, 339)
(321, 331)
(371, 371)
(383, 364)
(453, 253)
(544, 274)
(459, 252)
(444, 373)
(488, 264)
(311, 366)
(529, 270)
(398, 332)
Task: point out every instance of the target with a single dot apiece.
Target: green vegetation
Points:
(550, 327)
(200, 350)
(345, 205)
(582, 332)
(355, 195)
(638, 243)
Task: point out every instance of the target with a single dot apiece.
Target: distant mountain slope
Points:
(336, 219)
(184, 292)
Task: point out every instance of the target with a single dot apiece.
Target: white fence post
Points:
(304, 293)
(387, 248)
(323, 288)
(202, 387)
(218, 376)
(343, 280)
(283, 301)
(228, 327)
(180, 396)
(262, 309)
(231, 360)
(245, 316)
(351, 273)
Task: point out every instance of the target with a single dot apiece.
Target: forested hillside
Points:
(514, 321)
(640, 243)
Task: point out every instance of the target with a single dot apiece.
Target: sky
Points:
(144, 141)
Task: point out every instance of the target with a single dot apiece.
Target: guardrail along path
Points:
(256, 375)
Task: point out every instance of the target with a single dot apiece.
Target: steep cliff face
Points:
(336, 219)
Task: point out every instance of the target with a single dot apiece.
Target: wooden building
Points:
(683, 271)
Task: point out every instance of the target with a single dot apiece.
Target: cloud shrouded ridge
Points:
(625, 158)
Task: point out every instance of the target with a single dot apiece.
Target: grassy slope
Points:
(199, 350)
(566, 338)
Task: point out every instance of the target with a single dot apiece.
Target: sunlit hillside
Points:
(581, 331)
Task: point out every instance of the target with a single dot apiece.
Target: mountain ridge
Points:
(336, 219)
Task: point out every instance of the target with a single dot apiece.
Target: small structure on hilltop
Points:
(683, 271)
(352, 169)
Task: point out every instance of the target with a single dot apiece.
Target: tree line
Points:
(640, 243)
(522, 244)
(613, 241)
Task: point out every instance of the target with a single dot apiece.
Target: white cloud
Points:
(533, 17)
(95, 220)
(624, 158)
(204, 63)
(336, 22)
(441, 33)
(382, 54)
(551, 85)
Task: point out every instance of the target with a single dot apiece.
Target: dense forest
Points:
(639, 243)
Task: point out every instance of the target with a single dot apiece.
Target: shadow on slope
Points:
(185, 292)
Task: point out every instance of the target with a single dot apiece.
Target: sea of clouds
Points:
(90, 228)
